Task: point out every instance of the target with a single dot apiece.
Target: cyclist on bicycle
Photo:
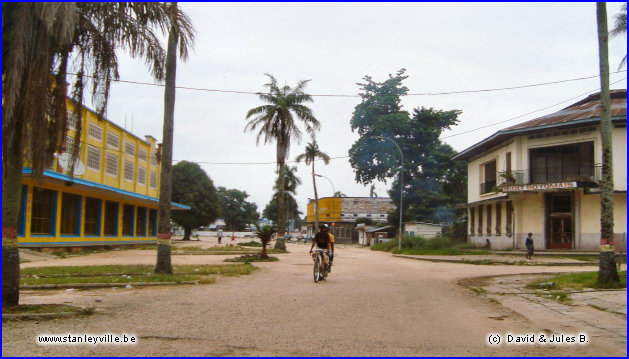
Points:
(323, 241)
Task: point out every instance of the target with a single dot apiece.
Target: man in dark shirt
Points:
(322, 240)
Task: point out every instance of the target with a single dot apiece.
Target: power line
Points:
(358, 96)
(529, 113)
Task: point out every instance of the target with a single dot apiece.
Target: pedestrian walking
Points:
(219, 234)
(529, 246)
(233, 236)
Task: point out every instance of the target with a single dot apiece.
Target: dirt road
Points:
(372, 305)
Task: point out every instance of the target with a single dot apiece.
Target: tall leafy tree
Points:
(277, 121)
(620, 28)
(291, 181)
(40, 43)
(339, 194)
(607, 266)
(236, 211)
(430, 175)
(179, 40)
(310, 155)
(193, 187)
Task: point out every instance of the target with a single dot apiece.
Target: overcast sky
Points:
(444, 47)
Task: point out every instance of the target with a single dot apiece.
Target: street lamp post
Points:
(318, 175)
(399, 243)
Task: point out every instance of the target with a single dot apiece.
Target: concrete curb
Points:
(38, 316)
(102, 285)
(463, 261)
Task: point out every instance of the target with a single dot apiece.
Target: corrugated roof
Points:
(586, 111)
(587, 108)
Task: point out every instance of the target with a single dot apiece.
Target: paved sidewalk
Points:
(503, 259)
(598, 313)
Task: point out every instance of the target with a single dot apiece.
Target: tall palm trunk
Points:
(164, 264)
(12, 162)
(281, 212)
(607, 266)
(316, 204)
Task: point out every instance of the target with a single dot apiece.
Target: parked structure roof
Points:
(584, 112)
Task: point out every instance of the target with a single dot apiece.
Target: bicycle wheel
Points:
(316, 270)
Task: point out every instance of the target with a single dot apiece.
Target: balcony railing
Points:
(588, 174)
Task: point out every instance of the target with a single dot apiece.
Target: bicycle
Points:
(318, 273)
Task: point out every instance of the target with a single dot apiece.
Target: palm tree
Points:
(607, 266)
(276, 122)
(265, 233)
(309, 156)
(620, 28)
(339, 194)
(39, 42)
(176, 38)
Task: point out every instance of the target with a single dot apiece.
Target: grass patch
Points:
(40, 308)
(105, 250)
(129, 273)
(442, 246)
(580, 281)
(250, 244)
(222, 251)
(247, 258)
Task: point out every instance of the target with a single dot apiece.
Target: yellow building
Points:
(111, 199)
(341, 213)
(543, 177)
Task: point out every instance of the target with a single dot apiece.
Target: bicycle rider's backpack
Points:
(322, 240)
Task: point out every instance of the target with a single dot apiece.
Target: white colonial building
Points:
(542, 176)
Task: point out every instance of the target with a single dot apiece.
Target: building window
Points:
(91, 224)
(128, 170)
(355, 215)
(153, 179)
(43, 212)
(562, 163)
(498, 218)
(480, 221)
(129, 148)
(509, 217)
(142, 176)
(142, 154)
(489, 178)
(113, 140)
(69, 144)
(342, 214)
(93, 157)
(488, 219)
(111, 164)
(70, 214)
(111, 218)
(152, 222)
(383, 215)
(72, 120)
(95, 131)
(508, 162)
(140, 223)
(128, 215)
(154, 159)
(21, 223)
(472, 221)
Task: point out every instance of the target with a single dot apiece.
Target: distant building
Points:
(341, 214)
(422, 229)
(111, 198)
(543, 176)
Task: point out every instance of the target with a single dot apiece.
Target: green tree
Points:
(237, 212)
(434, 183)
(309, 157)
(339, 194)
(265, 233)
(607, 272)
(39, 41)
(270, 211)
(182, 40)
(193, 187)
(620, 28)
(291, 181)
(276, 122)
